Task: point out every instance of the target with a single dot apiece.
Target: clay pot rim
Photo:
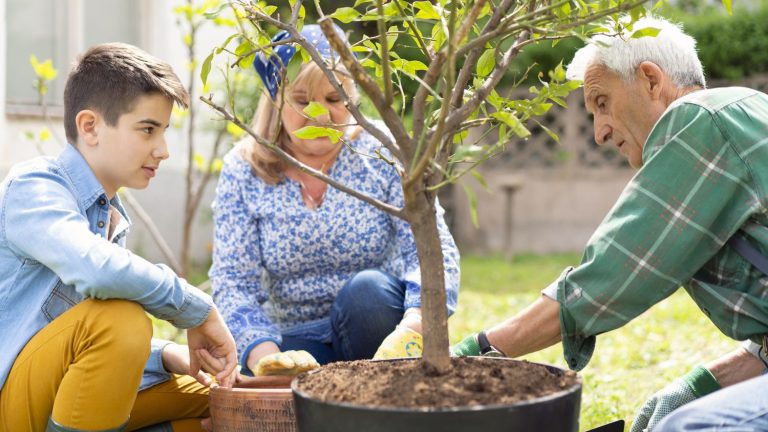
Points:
(573, 389)
(255, 391)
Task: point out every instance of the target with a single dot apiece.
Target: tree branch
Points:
(369, 86)
(471, 59)
(462, 113)
(386, 67)
(408, 19)
(290, 160)
(385, 140)
(152, 228)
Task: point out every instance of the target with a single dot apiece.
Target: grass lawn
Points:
(629, 364)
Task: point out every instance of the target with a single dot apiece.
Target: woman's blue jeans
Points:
(739, 408)
(366, 310)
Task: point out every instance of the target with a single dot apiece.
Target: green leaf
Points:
(486, 63)
(215, 13)
(312, 132)
(472, 198)
(513, 122)
(550, 133)
(392, 34)
(467, 153)
(480, 179)
(359, 2)
(244, 47)
(426, 10)
(648, 31)
(541, 109)
(315, 109)
(438, 36)
(206, 68)
(247, 62)
(345, 14)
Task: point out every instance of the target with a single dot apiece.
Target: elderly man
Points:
(695, 215)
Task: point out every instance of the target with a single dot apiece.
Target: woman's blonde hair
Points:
(266, 121)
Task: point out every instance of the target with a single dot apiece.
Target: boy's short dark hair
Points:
(109, 78)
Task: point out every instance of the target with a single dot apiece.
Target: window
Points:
(60, 30)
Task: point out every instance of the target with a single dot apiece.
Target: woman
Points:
(301, 266)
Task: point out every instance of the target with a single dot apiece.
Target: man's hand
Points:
(285, 363)
(401, 343)
(697, 383)
(212, 348)
(467, 347)
(176, 361)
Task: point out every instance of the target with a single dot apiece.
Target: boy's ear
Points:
(86, 121)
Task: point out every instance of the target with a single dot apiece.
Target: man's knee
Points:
(684, 419)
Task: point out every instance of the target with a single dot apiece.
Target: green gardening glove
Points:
(697, 383)
(467, 347)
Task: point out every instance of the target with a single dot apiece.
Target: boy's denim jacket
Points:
(54, 253)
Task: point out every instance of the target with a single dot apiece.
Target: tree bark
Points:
(420, 208)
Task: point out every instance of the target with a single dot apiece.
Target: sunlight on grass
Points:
(629, 364)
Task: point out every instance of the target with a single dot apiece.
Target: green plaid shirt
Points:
(705, 175)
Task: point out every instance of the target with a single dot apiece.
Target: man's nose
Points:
(603, 131)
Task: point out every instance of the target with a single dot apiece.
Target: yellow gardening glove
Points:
(285, 363)
(403, 342)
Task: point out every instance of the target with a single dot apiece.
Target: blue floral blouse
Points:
(278, 265)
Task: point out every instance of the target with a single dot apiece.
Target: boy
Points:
(77, 344)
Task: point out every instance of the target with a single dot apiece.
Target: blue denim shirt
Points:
(54, 253)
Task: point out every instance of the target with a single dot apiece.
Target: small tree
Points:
(460, 53)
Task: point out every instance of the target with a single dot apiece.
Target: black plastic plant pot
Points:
(557, 412)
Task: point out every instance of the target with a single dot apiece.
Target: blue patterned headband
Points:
(271, 69)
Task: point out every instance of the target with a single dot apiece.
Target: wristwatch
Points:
(486, 349)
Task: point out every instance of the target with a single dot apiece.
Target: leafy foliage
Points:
(444, 60)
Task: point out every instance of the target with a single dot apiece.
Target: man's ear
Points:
(86, 121)
(652, 78)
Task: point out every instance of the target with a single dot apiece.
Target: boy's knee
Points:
(124, 319)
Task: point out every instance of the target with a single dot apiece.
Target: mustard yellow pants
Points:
(83, 371)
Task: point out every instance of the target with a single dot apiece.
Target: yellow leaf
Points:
(217, 165)
(45, 70)
(234, 130)
(188, 39)
(45, 134)
(199, 161)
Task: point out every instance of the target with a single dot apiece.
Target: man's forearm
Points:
(535, 328)
(735, 367)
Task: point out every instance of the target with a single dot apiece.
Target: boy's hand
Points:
(285, 363)
(212, 347)
(176, 361)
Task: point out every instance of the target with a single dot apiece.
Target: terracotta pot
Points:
(263, 404)
(557, 412)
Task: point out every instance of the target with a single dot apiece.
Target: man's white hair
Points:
(672, 50)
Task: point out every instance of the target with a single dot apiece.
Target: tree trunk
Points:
(420, 207)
